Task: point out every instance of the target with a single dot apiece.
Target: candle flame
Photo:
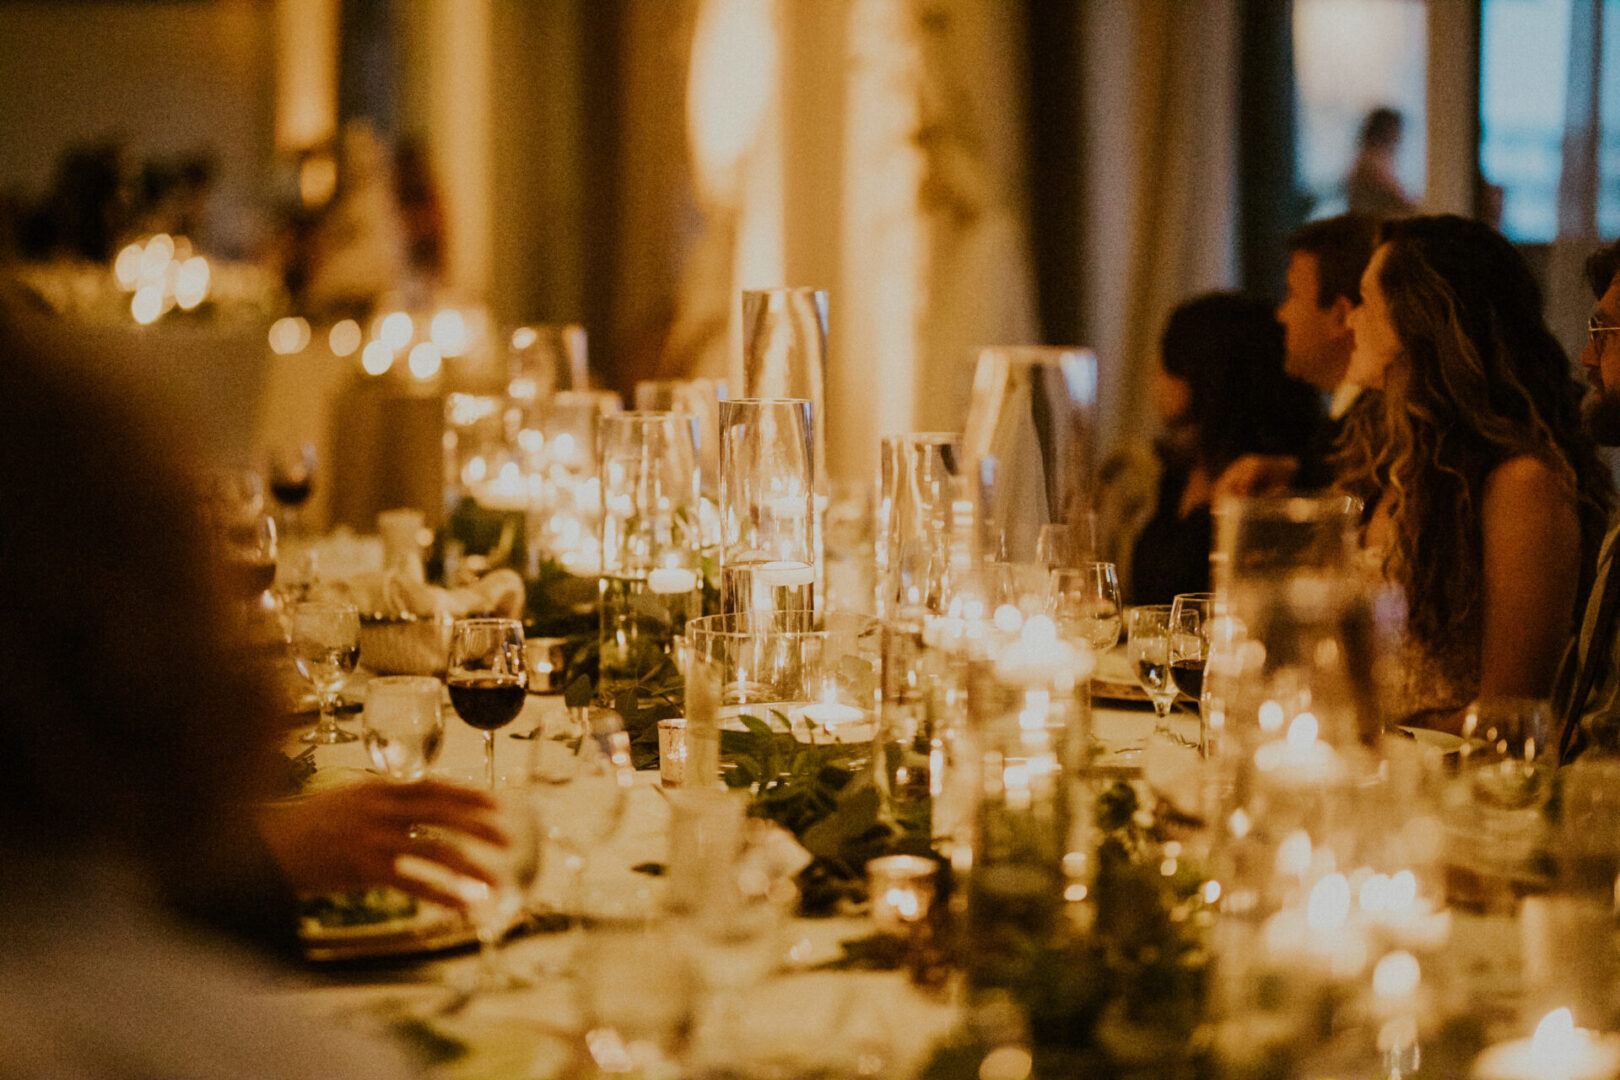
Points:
(1329, 905)
(1302, 730)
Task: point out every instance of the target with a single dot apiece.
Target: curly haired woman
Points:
(1486, 499)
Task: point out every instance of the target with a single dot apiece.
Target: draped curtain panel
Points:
(1160, 132)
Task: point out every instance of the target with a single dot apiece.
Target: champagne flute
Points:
(325, 641)
(1085, 605)
(1149, 645)
(403, 725)
(487, 675)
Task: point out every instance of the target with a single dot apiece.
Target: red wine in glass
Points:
(1188, 676)
(487, 702)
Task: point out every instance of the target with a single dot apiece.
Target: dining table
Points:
(813, 1011)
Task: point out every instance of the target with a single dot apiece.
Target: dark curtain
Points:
(1054, 174)
(1269, 200)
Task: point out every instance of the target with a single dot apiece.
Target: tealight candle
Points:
(546, 658)
(902, 889)
(831, 715)
(671, 579)
(1300, 757)
(1557, 1051)
(672, 752)
(782, 574)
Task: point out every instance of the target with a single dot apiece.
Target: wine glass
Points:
(1085, 605)
(580, 772)
(292, 479)
(1149, 645)
(403, 725)
(487, 677)
(495, 909)
(1191, 618)
(325, 641)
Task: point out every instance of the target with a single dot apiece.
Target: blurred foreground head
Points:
(129, 725)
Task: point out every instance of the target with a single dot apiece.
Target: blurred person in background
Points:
(1220, 393)
(140, 904)
(1486, 499)
(1371, 186)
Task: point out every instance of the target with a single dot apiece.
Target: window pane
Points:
(1524, 69)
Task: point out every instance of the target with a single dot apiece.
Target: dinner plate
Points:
(431, 929)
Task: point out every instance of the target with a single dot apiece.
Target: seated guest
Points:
(1221, 393)
(1586, 694)
(1325, 261)
(135, 745)
(1486, 500)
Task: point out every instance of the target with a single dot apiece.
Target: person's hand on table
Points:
(1257, 474)
(350, 838)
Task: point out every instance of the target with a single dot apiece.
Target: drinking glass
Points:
(784, 346)
(546, 359)
(767, 507)
(1191, 618)
(402, 724)
(495, 909)
(487, 677)
(1085, 605)
(325, 641)
(580, 776)
(651, 548)
(916, 507)
(292, 479)
(1149, 629)
(1028, 445)
(698, 400)
(1495, 810)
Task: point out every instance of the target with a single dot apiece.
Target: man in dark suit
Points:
(1325, 262)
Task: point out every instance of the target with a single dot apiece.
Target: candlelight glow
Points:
(1397, 975)
(425, 361)
(524, 337)
(377, 358)
(1302, 730)
(289, 335)
(1294, 853)
(396, 329)
(147, 304)
(1329, 905)
(1271, 716)
(127, 267)
(1557, 1042)
(344, 337)
(1007, 619)
(449, 332)
(191, 282)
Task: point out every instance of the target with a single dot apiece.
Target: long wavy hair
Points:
(1478, 380)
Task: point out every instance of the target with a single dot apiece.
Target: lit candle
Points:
(1038, 658)
(671, 579)
(831, 715)
(782, 574)
(902, 890)
(1557, 1051)
(1300, 757)
(672, 752)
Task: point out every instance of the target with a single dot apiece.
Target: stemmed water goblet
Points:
(325, 642)
(292, 479)
(1085, 605)
(1149, 645)
(580, 772)
(488, 677)
(403, 725)
(493, 909)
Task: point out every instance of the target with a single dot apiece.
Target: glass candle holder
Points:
(817, 681)
(902, 891)
(767, 507)
(1028, 443)
(651, 577)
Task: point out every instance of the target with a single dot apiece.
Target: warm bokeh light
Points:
(147, 304)
(731, 86)
(191, 282)
(425, 360)
(449, 332)
(159, 250)
(524, 337)
(127, 267)
(396, 329)
(377, 358)
(344, 337)
(289, 335)
(317, 180)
